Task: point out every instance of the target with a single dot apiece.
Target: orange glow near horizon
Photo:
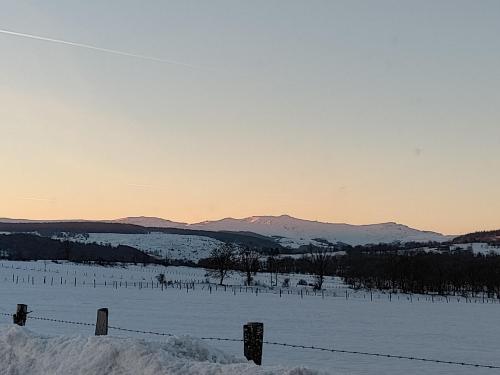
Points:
(66, 176)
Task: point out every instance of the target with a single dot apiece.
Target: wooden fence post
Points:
(101, 326)
(20, 315)
(253, 337)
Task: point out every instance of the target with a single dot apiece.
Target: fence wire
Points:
(143, 332)
(60, 321)
(394, 356)
(281, 344)
(296, 346)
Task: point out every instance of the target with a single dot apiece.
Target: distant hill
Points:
(190, 242)
(491, 237)
(49, 229)
(33, 247)
(292, 232)
(174, 243)
(147, 221)
(53, 227)
(243, 238)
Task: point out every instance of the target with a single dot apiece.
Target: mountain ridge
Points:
(286, 230)
(296, 232)
(129, 219)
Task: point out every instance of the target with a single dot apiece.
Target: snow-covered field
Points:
(454, 331)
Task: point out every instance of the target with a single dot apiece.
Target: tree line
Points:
(447, 273)
(443, 273)
(228, 258)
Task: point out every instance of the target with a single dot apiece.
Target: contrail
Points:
(100, 49)
(36, 199)
(143, 186)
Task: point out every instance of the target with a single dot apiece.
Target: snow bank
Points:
(24, 352)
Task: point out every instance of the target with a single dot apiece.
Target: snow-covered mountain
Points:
(293, 232)
(286, 230)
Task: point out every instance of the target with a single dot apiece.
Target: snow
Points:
(454, 331)
(285, 230)
(25, 352)
(293, 232)
(478, 248)
(174, 246)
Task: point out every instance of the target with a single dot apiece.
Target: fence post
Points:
(253, 337)
(101, 327)
(20, 315)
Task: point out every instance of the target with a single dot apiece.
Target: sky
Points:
(341, 111)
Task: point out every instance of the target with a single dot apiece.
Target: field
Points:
(456, 329)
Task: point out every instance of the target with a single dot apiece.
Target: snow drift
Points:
(24, 352)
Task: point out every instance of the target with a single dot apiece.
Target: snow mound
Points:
(24, 352)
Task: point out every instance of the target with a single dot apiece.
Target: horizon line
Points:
(235, 218)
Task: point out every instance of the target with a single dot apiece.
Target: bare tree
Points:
(166, 259)
(272, 266)
(249, 263)
(161, 279)
(221, 261)
(66, 247)
(320, 260)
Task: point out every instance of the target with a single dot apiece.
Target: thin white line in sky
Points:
(36, 199)
(142, 186)
(100, 49)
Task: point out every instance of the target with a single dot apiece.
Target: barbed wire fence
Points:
(274, 343)
(208, 287)
(73, 279)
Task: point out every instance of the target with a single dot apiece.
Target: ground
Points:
(453, 330)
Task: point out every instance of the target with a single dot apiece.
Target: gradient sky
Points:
(340, 111)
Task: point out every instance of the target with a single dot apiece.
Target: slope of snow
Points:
(304, 230)
(294, 232)
(24, 352)
(173, 246)
(477, 248)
